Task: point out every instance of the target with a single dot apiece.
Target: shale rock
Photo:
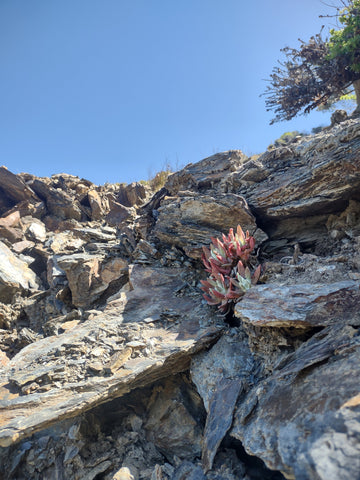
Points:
(221, 375)
(304, 420)
(112, 364)
(301, 306)
(312, 179)
(189, 222)
(13, 189)
(15, 275)
(134, 194)
(59, 203)
(206, 174)
(147, 334)
(89, 276)
(10, 228)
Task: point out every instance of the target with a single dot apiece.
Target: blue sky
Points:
(113, 90)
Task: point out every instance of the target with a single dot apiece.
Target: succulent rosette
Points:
(228, 263)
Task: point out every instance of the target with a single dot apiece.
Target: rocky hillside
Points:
(113, 366)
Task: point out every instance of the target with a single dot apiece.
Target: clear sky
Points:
(113, 90)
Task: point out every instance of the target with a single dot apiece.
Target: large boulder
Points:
(90, 275)
(189, 221)
(13, 187)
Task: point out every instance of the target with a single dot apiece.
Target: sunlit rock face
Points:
(113, 366)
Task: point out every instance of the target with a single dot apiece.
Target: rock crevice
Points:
(113, 366)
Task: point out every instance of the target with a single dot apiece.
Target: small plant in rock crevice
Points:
(228, 263)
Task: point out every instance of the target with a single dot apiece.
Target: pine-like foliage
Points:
(319, 71)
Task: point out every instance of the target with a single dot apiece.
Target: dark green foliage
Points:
(346, 41)
(285, 139)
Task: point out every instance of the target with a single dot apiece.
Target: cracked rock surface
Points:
(113, 367)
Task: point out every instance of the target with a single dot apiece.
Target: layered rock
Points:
(188, 222)
(146, 334)
(310, 179)
(15, 275)
(112, 365)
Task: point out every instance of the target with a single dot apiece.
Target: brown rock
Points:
(119, 213)
(54, 224)
(97, 210)
(58, 202)
(205, 174)
(65, 242)
(4, 359)
(89, 275)
(11, 220)
(13, 187)
(15, 275)
(19, 247)
(190, 222)
(7, 229)
(134, 194)
(32, 207)
(11, 234)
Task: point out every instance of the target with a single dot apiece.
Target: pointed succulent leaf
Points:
(209, 300)
(217, 294)
(256, 275)
(227, 262)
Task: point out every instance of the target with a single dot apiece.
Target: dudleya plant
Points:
(228, 263)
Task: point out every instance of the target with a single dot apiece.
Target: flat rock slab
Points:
(147, 334)
(219, 418)
(301, 306)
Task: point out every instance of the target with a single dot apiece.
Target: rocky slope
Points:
(114, 367)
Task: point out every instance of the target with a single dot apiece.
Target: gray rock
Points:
(221, 374)
(302, 305)
(206, 174)
(316, 176)
(180, 405)
(296, 419)
(220, 417)
(37, 231)
(55, 375)
(188, 471)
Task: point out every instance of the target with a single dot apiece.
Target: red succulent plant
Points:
(228, 263)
